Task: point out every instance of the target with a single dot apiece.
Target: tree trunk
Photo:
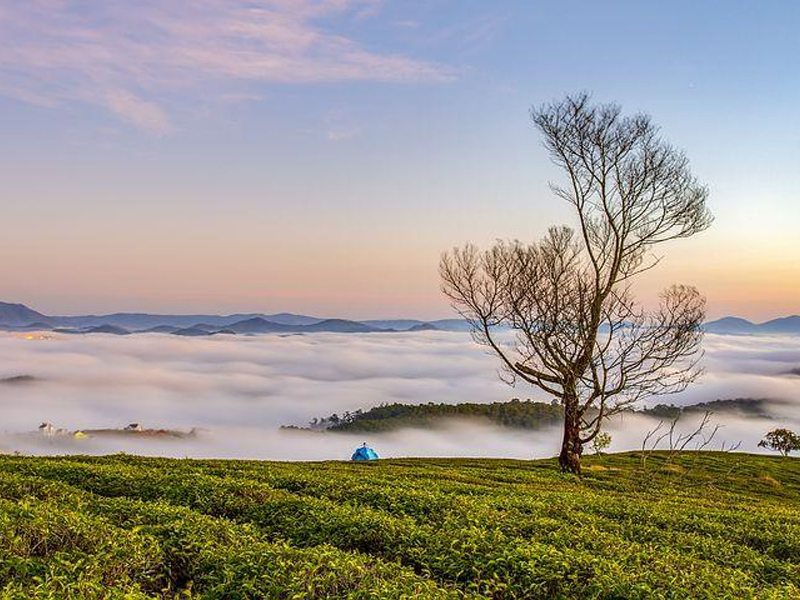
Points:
(571, 446)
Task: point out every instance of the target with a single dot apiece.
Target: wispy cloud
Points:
(131, 57)
(473, 33)
(139, 112)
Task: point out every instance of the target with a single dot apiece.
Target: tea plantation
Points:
(702, 526)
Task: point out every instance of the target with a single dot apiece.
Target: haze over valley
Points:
(239, 391)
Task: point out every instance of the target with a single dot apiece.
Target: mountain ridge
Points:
(736, 325)
(18, 317)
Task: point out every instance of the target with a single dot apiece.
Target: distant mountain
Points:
(140, 321)
(424, 327)
(200, 331)
(18, 314)
(18, 317)
(736, 325)
(730, 325)
(339, 326)
(191, 332)
(261, 325)
(393, 324)
(782, 325)
(414, 324)
(208, 327)
(292, 319)
(106, 328)
(451, 324)
(37, 326)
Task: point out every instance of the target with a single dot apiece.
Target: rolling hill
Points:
(21, 318)
(696, 526)
(735, 325)
(19, 315)
(515, 414)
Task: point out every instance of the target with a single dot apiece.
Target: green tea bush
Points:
(709, 526)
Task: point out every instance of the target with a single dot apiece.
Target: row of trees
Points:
(387, 417)
(534, 415)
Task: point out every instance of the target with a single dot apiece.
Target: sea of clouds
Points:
(241, 389)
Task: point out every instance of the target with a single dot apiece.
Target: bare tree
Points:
(580, 334)
(698, 438)
(666, 445)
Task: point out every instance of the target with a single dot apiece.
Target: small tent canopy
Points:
(365, 453)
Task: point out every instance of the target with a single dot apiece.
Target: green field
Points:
(704, 526)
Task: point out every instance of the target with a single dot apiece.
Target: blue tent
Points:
(365, 453)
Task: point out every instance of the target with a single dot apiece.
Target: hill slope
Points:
(705, 526)
(18, 314)
(734, 325)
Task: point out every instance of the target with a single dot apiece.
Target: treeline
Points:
(514, 413)
(751, 407)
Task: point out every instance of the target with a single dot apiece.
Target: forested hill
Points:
(515, 413)
(387, 417)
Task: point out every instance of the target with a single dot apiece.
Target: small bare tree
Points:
(580, 335)
(676, 443)
(667, 445)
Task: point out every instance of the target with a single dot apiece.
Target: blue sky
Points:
(318, 156)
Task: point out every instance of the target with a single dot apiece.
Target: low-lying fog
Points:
(241, 389)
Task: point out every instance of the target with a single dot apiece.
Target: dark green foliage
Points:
(707, 525)
(514, 413)
(752, 407)
(388, 417)
(781, 440)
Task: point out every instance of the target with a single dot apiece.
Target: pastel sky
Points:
(318, 156)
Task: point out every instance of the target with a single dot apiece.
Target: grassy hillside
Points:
(705, 526)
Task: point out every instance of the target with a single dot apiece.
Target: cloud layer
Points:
(243, 388)
(130, 59)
